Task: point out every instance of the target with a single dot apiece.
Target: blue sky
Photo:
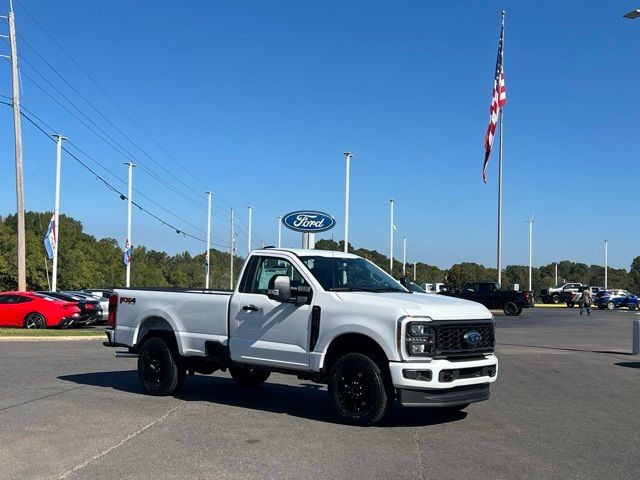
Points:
(258, 100)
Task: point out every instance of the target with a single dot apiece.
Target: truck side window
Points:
(269, 267)
(485, 288)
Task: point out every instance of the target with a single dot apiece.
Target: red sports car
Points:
(31, 310)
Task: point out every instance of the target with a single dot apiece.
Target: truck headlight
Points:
(420, 339)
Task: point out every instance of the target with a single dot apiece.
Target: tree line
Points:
(87, 262)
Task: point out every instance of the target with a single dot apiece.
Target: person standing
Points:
(585, 301)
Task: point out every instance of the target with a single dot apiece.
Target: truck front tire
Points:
(249, 376)
(160, 369)
(359, 392)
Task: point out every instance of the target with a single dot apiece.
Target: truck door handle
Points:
(250, 308)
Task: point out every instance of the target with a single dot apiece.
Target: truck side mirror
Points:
(280, 289)
(404, 281)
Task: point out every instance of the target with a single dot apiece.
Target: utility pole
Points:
(414, 271)
(129, 241)
(279, 232)
(232, 238)
(22, 253)
(404, 255)
(56, 212)
(206, 278)
(606, 262)
(347, 156)
(556, 274)
(391, 246)
(250, 216)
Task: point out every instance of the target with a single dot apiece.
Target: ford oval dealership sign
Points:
(308, 221)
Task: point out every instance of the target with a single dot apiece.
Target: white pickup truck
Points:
(325, 316)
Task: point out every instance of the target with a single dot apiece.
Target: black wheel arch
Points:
(355, 343)
(156, 327)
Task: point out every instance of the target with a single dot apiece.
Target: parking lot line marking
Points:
(119, 444)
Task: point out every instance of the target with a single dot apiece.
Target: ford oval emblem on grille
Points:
(472, 337)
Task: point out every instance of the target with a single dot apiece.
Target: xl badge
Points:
(472, 337)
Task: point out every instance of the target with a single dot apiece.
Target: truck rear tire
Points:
(160, 369)
(571, 304)
(249, 376)
(510, 309)
(359, 392)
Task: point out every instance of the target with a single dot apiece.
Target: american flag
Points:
(498, 100)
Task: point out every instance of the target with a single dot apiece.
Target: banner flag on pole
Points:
(206, 262)
(50, 238)
(498, 100)
(127, 252)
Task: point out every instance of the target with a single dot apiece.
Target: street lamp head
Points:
(347, 154)
(633, 14)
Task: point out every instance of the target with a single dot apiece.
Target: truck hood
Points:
(438, 307)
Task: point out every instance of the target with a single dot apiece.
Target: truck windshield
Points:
(350, 274)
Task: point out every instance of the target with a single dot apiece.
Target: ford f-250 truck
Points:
(325, 316)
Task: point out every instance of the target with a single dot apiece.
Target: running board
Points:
(126, 355)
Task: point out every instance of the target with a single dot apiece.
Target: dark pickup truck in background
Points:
(510, 301)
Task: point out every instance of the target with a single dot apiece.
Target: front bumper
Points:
(444, 383)
(444, 398)
(445, 374)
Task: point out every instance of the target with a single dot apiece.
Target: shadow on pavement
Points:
(629, 364)
(305, 401)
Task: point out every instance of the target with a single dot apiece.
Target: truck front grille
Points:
(450, 339)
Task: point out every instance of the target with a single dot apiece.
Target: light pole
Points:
(208, 267)
(530, 221)
(392, 228)
(404, 255)
(414, 271)
(556, 274)
(250, 216)
(279, 232)
(56, 212)
(129, 242)
(347, 157)
(633, 14)
(606, 262)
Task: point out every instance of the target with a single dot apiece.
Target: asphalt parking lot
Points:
(566, 405)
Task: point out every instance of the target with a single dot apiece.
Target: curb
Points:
(51, 339)
(551, 305)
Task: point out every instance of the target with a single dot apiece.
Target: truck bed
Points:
(196, 316)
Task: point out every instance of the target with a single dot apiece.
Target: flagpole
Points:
(500, 176)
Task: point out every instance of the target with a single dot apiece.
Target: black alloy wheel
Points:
(34, 321)
(160, 369)
(359, 391)
(510, 309)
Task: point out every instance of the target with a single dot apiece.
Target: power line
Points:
(117, 147)
(114, 189)
(106, 94)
